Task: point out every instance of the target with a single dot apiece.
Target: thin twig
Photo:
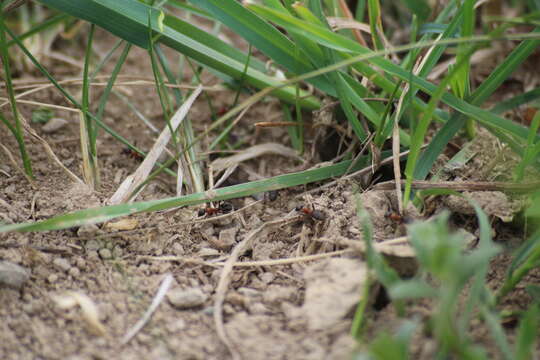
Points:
(164, 287)
(224, 280)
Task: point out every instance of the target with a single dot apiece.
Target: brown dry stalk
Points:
(347, 12)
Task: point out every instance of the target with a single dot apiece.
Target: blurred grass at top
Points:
(394, 68)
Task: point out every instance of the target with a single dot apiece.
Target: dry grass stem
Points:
(162, 291)
(132, 182)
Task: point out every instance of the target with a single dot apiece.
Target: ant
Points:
(312, 213)
(222, 111)
(224, 208)
(132, 154)
(397, 218)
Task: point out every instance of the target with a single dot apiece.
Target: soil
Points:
(299, 310)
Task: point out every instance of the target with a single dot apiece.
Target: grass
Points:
(298, 39)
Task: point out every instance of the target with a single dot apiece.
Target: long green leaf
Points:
(128, 19)
(91, 216)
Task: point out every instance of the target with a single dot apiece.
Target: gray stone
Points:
(117, 252)
(267, 277)
(54, 125)
(105, 254)
(74, 272)
(227, 238)
(61, 264)
(92, 245)
(13, 275)
(186, 298)
(87, 230)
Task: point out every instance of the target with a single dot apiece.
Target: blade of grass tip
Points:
(90, 162)
(16, 130)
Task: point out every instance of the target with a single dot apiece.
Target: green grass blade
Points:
(258, 33)
(106, 92)
(129, 20)
(97, 215)
(16, 129)
(527, 333)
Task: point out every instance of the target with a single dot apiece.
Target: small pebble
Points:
(267, 277)
(105, 254)
(52, 278)
(61, 264)
(81, 264)
(248, 292)
(87, 230)
(54, 125)
(117, 252)
(206, 252)
(186, 298)
(92, 245)
(74, 272)
(227, 238)
(13, 275)
(258, 308)
(177, 325)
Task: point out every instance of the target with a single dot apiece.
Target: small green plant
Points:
(455, 280)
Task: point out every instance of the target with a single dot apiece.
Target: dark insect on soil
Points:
(272, 195)
(223, 208)
(397, 218)
(222, 111)
(311, 213)
(132, 154)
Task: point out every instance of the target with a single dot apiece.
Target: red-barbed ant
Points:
(223, 207)
(397, 218)
(132, 154)
(312, 213)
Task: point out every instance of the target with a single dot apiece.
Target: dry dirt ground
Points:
(297, 310)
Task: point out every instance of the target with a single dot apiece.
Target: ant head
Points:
(225, 207)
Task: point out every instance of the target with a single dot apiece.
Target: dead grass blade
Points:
(133, 181)
(230, 163)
